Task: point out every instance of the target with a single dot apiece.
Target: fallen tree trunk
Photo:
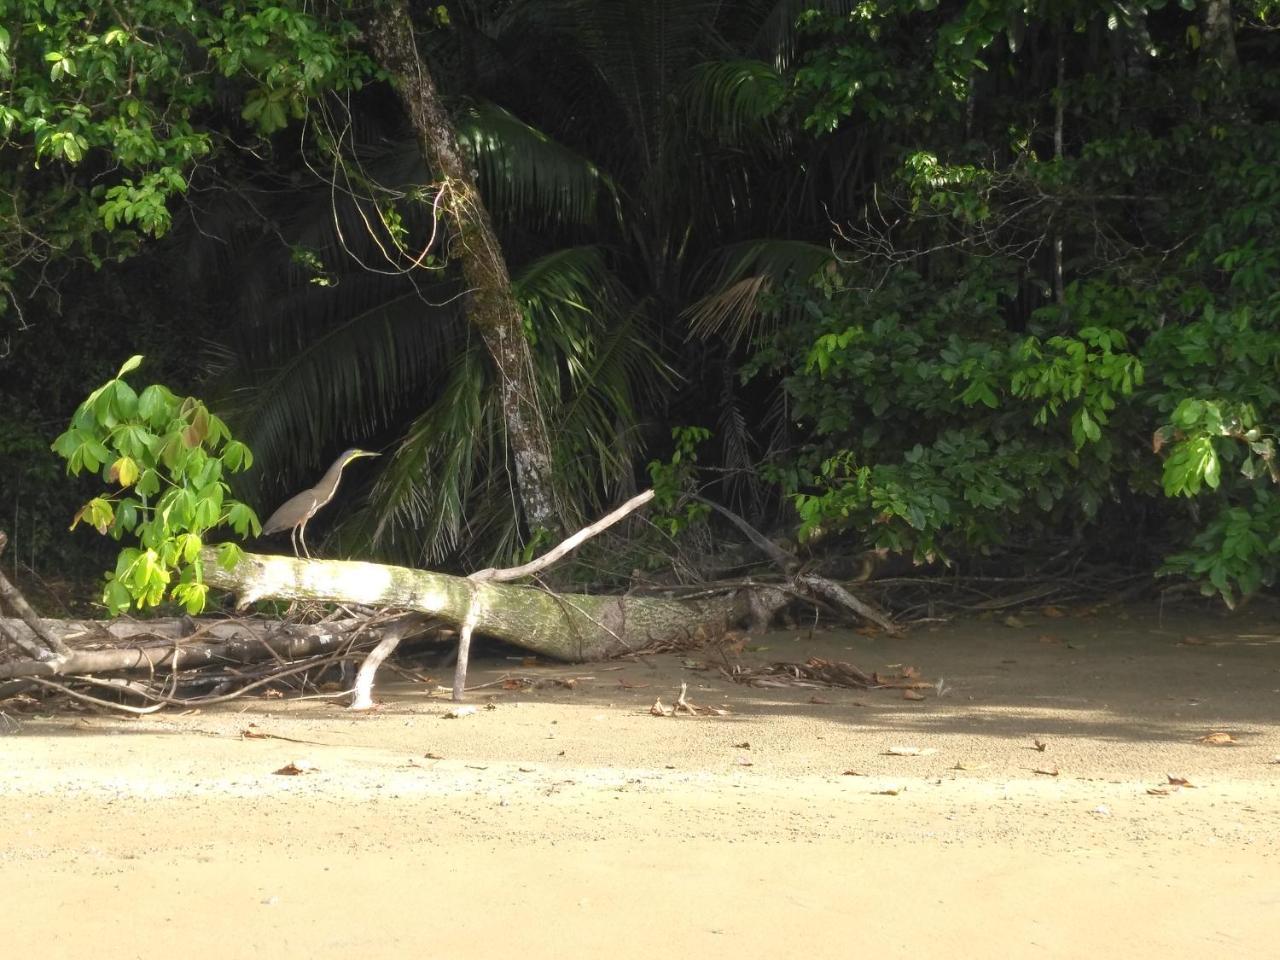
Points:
(160, 647)
(570, 626)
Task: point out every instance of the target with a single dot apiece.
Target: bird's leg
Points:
(302, 535)
(293, 539)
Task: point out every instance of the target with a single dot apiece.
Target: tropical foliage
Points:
(166, 459)
(939, 276)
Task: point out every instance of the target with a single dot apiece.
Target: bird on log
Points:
(294, 513)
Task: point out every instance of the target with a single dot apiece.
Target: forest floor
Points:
(571, 822)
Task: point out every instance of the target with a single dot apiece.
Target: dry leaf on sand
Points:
(909, 751)
(1219, 739)
(295, 768)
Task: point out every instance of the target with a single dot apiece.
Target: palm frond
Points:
(778, 36)
(730, 99)
(742, 483)
(343, 384)
(421, 507)
(594, 356)
(741, 275)
(526, 174)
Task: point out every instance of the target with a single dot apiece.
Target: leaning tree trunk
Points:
(1219, 43)
(492, 307)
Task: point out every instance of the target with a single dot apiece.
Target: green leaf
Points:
(149, 483)
(189, 545)
(124, 400)
(130, 365)
(229, 555)
(243, 520)
(192, 596)
(117, 597)
(155, 406)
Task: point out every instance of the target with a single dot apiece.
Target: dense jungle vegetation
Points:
(969, 281)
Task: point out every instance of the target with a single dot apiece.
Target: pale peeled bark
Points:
(570, 626)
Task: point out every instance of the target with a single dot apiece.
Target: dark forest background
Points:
(982, 283)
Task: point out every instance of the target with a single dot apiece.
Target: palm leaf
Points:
(526, 174)
(778, 33)
(741, 275)
(343, 384)
(731, 99)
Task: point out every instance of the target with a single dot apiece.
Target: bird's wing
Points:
(291, 513)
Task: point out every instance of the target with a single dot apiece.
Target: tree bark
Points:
(492, 307)
(571, 627)
(1220, 36)
(159, 646)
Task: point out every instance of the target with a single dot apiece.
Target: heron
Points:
(294, 513)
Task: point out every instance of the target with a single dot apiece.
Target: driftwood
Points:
(163, 646)
(42, 645)
(568, 627)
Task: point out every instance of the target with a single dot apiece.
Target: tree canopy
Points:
(957, 280)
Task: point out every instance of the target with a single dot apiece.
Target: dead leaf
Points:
(1179, 781)
(1158, 791)
(910, 673)
(909, 751)
(628, 685)
(248, 734)
(514, 683)
(1047, 771)
(888, 792)
(744, 745)
(295, 768)
(1052, 612)
(273, 694)
(912, 695)
(1012, 621)
(658, 710)
(959, 766)
(457, 713)
(1219, 739)
(852, 773)
(529, 662)
(744, 762)
(818, 700)
(432, 756)
(1040, 746)
(1048, 638)
(733, 641)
